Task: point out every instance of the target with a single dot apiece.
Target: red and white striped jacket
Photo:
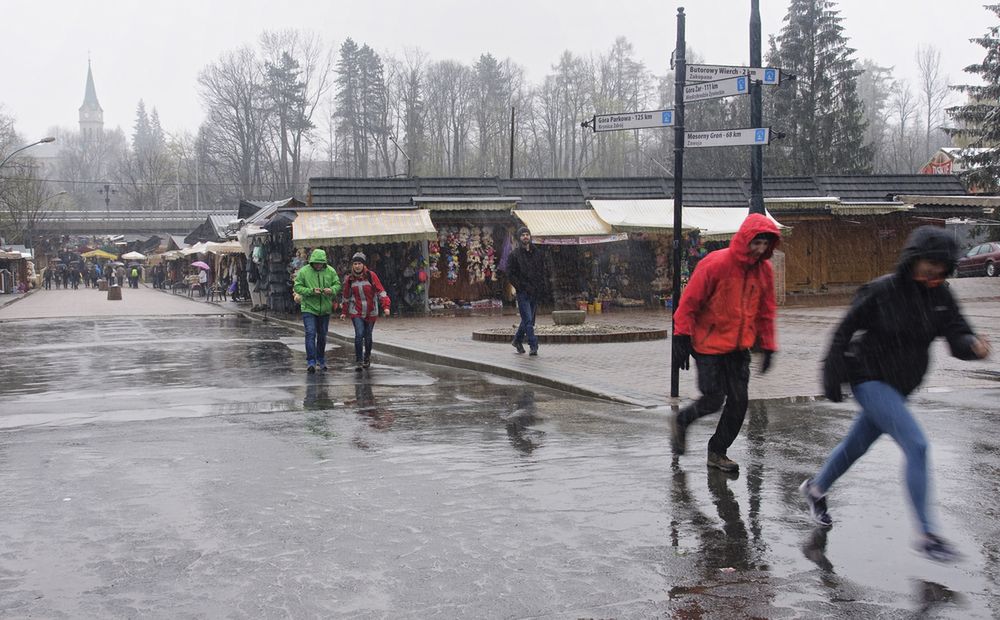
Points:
(362, 296)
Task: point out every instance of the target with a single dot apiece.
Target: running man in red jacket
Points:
(363, 294)
(727, 308)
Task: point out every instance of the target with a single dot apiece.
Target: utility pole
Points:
(511, 142)
(680, 70)
(756, 114)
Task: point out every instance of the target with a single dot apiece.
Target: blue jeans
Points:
(883, 410)
(527, 308)
(362, 338)
(316, 328)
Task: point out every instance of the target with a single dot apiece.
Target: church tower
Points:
(91, 113)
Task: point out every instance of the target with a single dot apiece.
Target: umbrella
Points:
(133, 256)
(201, 265)
(117, 263)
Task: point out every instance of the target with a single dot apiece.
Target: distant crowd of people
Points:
(72, 275)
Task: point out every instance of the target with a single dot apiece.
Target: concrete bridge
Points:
(120, 222)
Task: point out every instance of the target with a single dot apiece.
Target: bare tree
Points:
(934, 90)
(904, 140)
(25, 202)
(234, 94)
(299, 66)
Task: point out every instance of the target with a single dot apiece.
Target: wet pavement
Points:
(183, 466)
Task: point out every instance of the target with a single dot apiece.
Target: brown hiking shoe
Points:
(723, 462)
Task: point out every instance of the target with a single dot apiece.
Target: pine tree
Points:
(979, 119)
(348, 108)
(820, 113)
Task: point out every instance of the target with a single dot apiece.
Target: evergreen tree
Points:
(348, 108)
(820, 113)
(979, 119)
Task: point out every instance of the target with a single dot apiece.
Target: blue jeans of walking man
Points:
(527, 308)
(883, 410)
(316, 328)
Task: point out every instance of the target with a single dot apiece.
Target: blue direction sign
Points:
(752, 136)
(632, 120)
(769, 76)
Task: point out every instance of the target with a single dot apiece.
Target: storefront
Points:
(462, 266)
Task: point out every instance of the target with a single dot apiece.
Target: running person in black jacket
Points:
(899, 315)
(526, 271)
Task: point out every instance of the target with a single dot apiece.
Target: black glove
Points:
(765, 364)
(833, 376)
(680, 348)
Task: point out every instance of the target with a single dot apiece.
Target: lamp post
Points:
(27, 146)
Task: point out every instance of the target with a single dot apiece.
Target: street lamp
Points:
(27, 146)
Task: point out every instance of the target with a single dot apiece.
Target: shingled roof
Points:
(573, 193)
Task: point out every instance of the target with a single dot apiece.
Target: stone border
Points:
(649, 334)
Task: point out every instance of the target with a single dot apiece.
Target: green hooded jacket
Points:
(308, 279)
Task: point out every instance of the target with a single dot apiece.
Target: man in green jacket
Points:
(316, 285)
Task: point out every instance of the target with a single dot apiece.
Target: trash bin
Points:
(114, 293)
(102, 284)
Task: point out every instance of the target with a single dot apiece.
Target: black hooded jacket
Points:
(526, 271)
(898, 319)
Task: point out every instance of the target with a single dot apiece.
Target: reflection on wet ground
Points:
(191, 465)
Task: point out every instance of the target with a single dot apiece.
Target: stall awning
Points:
(563, 222)
(312, 228)
(99, 254)
(197, 248)
(225, 247)
(466, 203)
(713, 223)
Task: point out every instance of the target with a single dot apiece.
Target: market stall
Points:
(392, 239)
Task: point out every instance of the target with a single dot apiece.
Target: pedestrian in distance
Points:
(364, 297)
(898, 316)
(47, 278)
(526, 272)
(727, 308)
(317, 285)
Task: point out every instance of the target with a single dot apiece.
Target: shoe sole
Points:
(804, 491)
(726, 468)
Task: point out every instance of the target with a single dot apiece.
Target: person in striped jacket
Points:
(363, 298)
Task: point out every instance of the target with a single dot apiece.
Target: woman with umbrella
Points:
(202, 275)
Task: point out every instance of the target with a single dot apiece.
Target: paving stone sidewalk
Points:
(639, 372)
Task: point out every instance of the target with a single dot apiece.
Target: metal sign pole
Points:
(680, 70)
(756, 115)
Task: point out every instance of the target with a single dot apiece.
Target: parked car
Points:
(984, 259)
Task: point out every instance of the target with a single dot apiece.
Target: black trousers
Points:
(723, 381)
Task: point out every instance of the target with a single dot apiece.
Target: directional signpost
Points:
(701, 83)
(631, 120)
(768, 76)
(751, 136)
(717, 89)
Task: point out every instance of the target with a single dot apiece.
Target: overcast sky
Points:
(155, 50)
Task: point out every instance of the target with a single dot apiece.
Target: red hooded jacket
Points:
(362, 295)
(728, 305)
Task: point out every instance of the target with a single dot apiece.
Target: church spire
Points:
(91, 113)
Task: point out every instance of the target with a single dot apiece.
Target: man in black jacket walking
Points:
(526, 271)
(899, 315)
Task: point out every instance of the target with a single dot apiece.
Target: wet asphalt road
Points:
(186, 467)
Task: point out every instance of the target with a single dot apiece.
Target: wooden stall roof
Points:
(573, 193)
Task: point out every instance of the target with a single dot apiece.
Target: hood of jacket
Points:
(755, 224)
(931, 243)
(317, 256)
